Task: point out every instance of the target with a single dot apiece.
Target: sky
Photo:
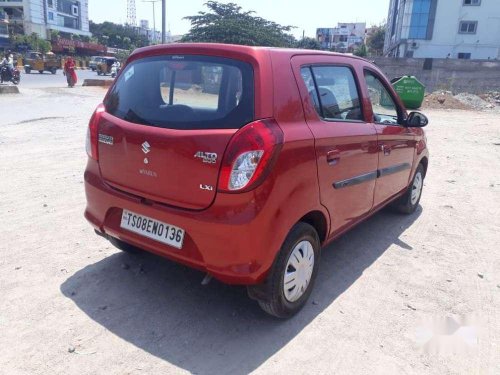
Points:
(305, 15)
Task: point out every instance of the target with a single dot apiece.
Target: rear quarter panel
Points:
(297, 182)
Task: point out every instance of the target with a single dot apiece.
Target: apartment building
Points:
(343, 38)
(153, 35)
(463, 29)
(41, 16)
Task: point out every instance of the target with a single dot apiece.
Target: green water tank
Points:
(410, 90)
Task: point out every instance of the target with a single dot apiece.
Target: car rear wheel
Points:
(408, 203)
(291, 279)
(40, 71)
(27, 70)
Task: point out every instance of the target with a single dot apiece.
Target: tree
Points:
(33, 42)
(123, 55)
(127, 42)
(54, 35)
(308, 43)
(376, 41)
(227, 23)
(118, 36)
(361, 51)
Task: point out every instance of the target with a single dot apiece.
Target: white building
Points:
(154, 35)
(41, 16)
(464, 29)
(344, 37)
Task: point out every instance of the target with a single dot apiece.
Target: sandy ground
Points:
(72, 304)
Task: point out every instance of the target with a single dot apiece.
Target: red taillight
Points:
(250, 155)
(93, 133)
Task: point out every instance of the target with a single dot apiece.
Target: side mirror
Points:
(417, 120)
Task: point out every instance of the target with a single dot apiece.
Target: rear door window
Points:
(184, 92)
(337, 93)
(309, 81)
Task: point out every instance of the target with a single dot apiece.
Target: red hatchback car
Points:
(244, 161)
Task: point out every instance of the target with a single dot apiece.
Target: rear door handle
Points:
(333, 157)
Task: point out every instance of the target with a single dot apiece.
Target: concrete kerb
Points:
(98, 82)
(8, 89)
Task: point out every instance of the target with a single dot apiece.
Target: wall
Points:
(471, 76)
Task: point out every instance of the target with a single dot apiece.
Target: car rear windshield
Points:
(184, 92)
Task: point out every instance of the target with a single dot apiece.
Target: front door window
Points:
(384, 108)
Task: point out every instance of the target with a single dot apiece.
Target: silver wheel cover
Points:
(298, 271)
(416, 188)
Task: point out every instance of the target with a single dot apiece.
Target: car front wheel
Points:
(291, 279)
(408, 203)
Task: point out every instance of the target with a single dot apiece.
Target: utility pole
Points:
(153, 2)
(163, 21)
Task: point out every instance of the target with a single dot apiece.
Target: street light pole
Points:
(163, 20)
(154, 23)
(153, 2)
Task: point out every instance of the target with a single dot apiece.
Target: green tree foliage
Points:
(117, 36)
(308, 43)
(123, 55)
(54, 35)
(361, 51)
(376, 40)
(227, 23)
(33, 41)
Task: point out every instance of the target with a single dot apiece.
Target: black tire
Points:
(404, 204)
(27, 70)
(53, 70)
(40, 71)
(271, 296)
(123, 246)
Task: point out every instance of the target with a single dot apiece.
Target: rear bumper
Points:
(232, 240)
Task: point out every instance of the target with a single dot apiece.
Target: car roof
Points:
(240, 49)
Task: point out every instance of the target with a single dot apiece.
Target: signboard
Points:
(61, 44)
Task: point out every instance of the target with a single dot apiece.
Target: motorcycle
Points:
(7, 76)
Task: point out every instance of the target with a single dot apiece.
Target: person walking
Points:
(70, 72)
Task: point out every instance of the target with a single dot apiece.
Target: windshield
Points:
(184, 92)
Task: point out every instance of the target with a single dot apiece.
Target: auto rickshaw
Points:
(43, 63)
(105, 65)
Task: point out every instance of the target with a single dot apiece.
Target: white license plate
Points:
(154, 229)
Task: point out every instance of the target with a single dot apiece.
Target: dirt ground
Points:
(399, 294)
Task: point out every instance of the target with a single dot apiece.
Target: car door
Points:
(345, 144)
(396, 143)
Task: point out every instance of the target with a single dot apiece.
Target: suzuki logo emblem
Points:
(146, 147)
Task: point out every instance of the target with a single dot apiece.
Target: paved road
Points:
(37, 80)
